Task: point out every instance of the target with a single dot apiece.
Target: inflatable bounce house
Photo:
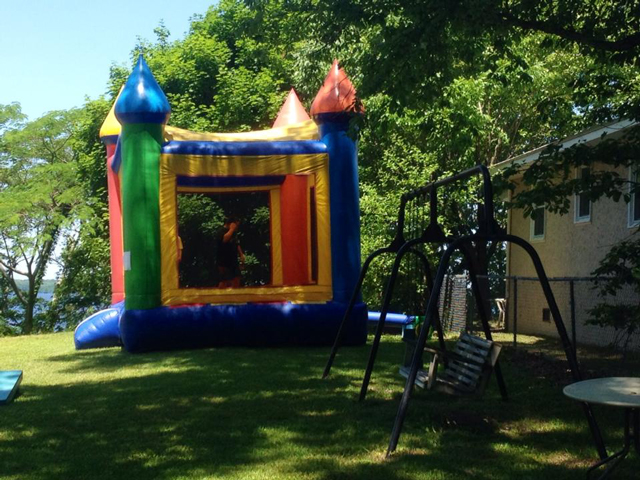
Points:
(230, 239)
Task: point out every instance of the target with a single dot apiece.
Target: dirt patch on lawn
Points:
(469, 421)
(541, 366)
(553, 367)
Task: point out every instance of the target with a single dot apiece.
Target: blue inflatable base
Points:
(252, 325)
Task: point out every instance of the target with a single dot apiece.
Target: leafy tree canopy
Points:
(38, 191)
(446, 84)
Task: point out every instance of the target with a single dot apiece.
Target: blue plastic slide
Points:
(100, 329)
(397, 319)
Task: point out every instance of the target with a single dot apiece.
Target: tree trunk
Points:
(27, 325)
(35, 281)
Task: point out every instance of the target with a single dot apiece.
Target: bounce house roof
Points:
(306, 130)
(302, 130)
(148, 103)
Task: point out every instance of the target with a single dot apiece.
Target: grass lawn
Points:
(233, 413)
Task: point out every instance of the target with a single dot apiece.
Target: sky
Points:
(54, 53)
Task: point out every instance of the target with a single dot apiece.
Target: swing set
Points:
(468, 367)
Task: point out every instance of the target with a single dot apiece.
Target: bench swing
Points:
(468, 367)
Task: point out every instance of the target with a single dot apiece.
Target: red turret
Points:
(337, 94)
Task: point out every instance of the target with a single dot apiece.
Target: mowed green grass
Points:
(237, 413)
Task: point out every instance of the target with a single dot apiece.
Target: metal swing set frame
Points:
(473, 247)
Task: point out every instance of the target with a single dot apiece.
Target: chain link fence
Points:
(519, 307)
(524, 310)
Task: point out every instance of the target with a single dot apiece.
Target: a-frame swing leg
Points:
(429, 278)
(569, 348)
(347, 314)
(431, 311)
(388, 294)
(475, 268)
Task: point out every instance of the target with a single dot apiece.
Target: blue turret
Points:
(142, 100)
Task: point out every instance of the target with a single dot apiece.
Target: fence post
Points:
(515, 312)
(506, 304)
(572, 303)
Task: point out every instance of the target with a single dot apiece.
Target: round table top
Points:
(614, 391)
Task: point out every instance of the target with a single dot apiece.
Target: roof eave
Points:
(590, 135)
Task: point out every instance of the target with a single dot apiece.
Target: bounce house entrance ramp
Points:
(9, 383)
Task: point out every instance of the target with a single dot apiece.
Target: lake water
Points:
(47, 296)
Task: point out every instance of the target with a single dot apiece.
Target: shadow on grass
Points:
(246, 413)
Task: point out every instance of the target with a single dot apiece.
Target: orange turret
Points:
(337, 94)
(291, 112)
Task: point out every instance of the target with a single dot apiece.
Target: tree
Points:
(451, 83)
(9, 312)
(37, 194)
(232, 70)
(84, 285)
(441, 96)
(446, 84)
(619, 269)
(413, 41)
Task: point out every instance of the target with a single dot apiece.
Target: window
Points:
(582, 204)
(634, 203)
(538, 223)
(247, 231)
(209, 261)
(546, 315)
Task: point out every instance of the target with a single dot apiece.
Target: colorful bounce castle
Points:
(278, 208)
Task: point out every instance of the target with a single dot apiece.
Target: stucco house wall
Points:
(569, 249)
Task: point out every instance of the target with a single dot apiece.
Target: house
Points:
(570, 246)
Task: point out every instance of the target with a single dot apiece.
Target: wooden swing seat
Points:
(467, 367)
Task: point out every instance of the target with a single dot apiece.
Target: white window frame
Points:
(532, 222)
(576, 203)
(631, 222)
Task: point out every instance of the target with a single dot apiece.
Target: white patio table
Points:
(622, 392)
